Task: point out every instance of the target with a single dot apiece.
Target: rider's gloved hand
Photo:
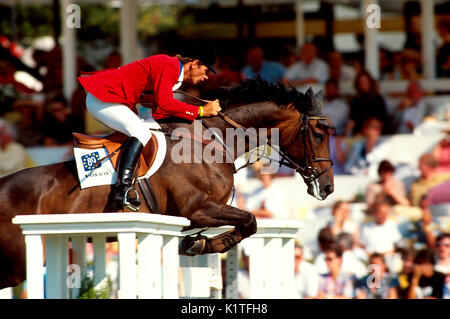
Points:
(211, 109)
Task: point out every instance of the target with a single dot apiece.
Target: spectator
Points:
(366, 104)
(114, 60)
(387, 187)
(59, 123)
(359, 159)
(257, 66)
(411, 109)
(350, 263)
(325, 238)
(338, 153)
(10, 89)
(306, 277)
(380, 283)
(443, 53)
(335, 108)
(268, 200)
(426, 228)
(442, 153)
(443, 254)
(428, 178)
(13, 156)
(29, 128)
(78, 99)
(426, 283)
(381, 235)
(386, 64)
(336, 284)
(226, 76)
(7, 78)
(408, 66)
(439, 195)
(404, 277)
(289, 57)
(339, 71)
(341, 220)
(310, 69)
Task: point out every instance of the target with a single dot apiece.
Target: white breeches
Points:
(118, 117)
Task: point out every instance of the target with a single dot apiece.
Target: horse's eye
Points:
(318, 137)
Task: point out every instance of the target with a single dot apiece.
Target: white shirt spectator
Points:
(272, 198)
(337, 111)
(306, 281)
(349, 227)
(380, 238)
(348, 74)
(317, 69)
(445, 269)
(12, 158)
(414, 115)
(350, 264)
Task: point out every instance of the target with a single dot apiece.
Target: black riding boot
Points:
(131, 152)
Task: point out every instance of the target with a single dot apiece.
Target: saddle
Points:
(113, 142)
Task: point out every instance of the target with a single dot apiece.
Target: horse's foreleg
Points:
(216, 215)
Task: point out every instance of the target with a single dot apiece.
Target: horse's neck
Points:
(256, 115)
(259, 121)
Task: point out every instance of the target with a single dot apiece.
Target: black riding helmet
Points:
(203, 52)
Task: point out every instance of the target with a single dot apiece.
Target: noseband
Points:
(305, 168)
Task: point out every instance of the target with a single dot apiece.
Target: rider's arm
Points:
(162, 76)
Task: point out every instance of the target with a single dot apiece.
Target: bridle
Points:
(305, 168)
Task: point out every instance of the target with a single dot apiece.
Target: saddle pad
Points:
(105, 173)
(88, 175)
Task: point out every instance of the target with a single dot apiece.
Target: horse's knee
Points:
(250, 227)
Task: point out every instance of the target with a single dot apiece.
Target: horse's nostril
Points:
(328, 189)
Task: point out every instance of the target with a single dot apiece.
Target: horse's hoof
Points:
(192, 246)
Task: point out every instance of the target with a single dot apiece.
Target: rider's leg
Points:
(120, 118)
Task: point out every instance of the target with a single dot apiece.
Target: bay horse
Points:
(197, 191)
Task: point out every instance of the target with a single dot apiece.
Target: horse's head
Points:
(303, 130)
(307, 148)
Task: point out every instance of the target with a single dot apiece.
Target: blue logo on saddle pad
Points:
(89, 160)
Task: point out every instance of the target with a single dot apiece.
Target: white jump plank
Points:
(35, 269)
(56, 260)
(99, 242)
(127, 265)
(149, 266)
(171, 262)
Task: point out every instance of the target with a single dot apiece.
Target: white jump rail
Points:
(153, 269)
(271, 259)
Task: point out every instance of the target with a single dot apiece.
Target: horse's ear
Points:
(309, 93)
(315, 106)
(319, 95)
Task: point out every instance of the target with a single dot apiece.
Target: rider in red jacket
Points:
(113, 93)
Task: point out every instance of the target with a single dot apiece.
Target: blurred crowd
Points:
(388, 253)
(377, 257)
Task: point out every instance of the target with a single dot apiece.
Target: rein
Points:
(307, 170)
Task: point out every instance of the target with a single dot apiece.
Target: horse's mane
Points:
(259, 90)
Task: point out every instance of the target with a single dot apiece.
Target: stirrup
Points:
(129, 205)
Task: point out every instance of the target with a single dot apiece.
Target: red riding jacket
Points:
(125, 85)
